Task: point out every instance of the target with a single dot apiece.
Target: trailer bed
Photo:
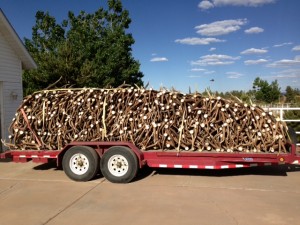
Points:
(168, 159)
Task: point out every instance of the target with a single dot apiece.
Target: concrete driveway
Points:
(36, 194)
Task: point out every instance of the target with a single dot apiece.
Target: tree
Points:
(290, 94)
(46, 36)
(88, 50)
(266, 92)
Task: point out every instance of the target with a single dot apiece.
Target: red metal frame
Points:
(26, 155)
(203, 160)
(42, 156)
(166, 159)
(214, 160)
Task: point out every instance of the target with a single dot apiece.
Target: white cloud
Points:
(220, 27)
(198, 70)
(286, 62)
(209, 72)
(198, 41)
(254, 51)
(254, 30)
(234, 75)
(255, 62)
(204, 5)
(289, 73)
(282, 44)
(207, 4)
(251, 3)
(215, 60)
(282, 76)
(285, 74)
(205, 71)
(159, 59)
(296, 48)
(194, 76)
(212, 49)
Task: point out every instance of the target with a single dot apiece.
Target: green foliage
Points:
(233, 95)
(289, 94)
(293, 115)
(292, 95)
(88, 50)
(265, 92)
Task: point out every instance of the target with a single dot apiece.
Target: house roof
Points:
(15, 43)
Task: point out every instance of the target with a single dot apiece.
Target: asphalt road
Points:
(33, 194)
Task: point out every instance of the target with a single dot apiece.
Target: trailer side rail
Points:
(27, 155)
(281, 111)
(203, 160)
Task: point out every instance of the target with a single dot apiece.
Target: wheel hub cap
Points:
(118, 165)
(79, 164)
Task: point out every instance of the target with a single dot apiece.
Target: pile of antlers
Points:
(150, 119)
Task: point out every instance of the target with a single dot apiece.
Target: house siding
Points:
(11, 80)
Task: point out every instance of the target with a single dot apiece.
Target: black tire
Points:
(81, 163)
(119, 164)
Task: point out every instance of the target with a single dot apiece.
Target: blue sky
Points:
(186, 44)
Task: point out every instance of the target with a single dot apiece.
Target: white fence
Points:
(280, 112)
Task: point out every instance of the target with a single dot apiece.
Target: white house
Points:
(14, 58)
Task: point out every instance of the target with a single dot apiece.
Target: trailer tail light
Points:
(281, 159)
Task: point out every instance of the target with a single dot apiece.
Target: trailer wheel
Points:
(81, 163)
(119, 164)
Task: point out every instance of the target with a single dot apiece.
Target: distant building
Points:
(14, 58)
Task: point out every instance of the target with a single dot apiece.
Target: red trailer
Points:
(120, 161)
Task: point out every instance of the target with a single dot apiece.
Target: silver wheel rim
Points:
(79, 164)
(118, 165)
